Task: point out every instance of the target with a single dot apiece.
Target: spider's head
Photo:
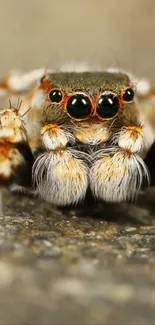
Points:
(86, 96)
(87, 101)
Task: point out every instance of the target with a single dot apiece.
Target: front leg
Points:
(118, 173)
(60, 175)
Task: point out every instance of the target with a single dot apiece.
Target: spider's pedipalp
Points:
(60, 177)
(132, 138)
(55, 137)
(117, 175)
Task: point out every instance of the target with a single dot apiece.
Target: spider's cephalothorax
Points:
(94, 135)
(16, 159)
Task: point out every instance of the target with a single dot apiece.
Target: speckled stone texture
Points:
(91, 265)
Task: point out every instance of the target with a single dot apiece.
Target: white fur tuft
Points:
(60, 177)
(117, 176)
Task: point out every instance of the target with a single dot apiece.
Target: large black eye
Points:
(55, 96)
(108, 106)
(79, 106)
(128, 95)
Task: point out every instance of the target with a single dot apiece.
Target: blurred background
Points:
(36, 33)
(95, 265)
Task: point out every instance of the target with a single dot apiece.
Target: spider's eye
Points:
(79, 106)
(108, 106)
(55, 96)
(128, 95)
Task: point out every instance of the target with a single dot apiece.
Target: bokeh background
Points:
(36, 33)
(94, 264)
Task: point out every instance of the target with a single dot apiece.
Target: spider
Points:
(86, 130)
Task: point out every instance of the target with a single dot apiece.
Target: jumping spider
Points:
(77, 131)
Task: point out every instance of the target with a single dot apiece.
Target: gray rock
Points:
(92, 264)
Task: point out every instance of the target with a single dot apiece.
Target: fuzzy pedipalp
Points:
(117, 175)
(60, 177)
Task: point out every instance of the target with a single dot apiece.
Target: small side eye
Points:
(128, 95)
(55, 96)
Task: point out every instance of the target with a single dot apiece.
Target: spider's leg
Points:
(60, 175)
(16, 158)
(150, 163)
(118, 173)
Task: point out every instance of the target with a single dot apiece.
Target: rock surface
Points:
(91, 265)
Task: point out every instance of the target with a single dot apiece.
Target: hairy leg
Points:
(118, 173)
(60, 175)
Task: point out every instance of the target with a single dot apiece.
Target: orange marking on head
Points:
(46, 84)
